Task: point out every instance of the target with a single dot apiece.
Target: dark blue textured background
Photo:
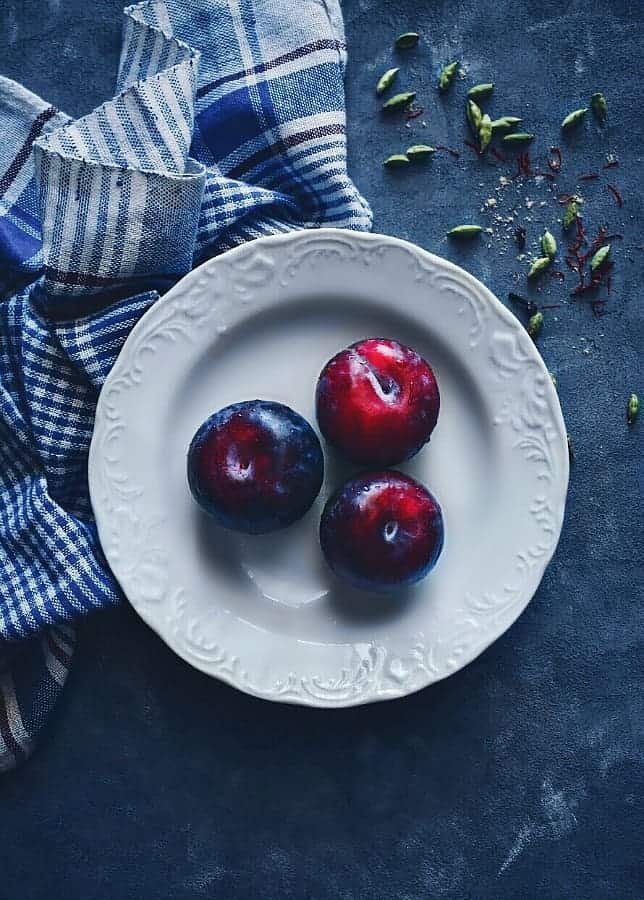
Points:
(519, 777)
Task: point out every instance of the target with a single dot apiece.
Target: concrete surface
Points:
(520, 777)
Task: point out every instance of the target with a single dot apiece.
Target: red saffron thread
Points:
(598, 241)
(449, 150)
(523, 165)
(592, 176)
(554, 160)
(473, 147)
(597, 279)
(616, 194)
(495, 153)
(580, 239)
(575, 260)
(414, 113)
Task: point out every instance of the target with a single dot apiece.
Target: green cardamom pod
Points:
(474, 115)
(574, 118)
(599, 258)
(485, 132)
(538, 266)
(396, 161)
(447, 75)
(535, 324)
(517, 137)
(407, 40)
(632, 408)
(549, 244)
(599, 106)
(464, 231)
(480, 91)
(420, 151)
(505, 122)
(571, 213)
(386, 80)
(399, 101)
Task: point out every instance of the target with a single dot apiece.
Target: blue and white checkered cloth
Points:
(199, 151)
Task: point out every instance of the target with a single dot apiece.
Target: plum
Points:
(255, 466)
(377, 402)
(381, 531)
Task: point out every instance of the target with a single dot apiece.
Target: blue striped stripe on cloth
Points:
(199, 151)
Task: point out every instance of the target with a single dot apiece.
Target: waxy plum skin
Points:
(382, 531)
(377, 402)
(255, 466)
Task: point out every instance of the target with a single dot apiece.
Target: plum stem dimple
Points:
(387, 386)
(390, 531)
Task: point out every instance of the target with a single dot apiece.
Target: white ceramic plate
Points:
(264, 613)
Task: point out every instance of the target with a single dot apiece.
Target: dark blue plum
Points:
(382, 531)
(255, 466)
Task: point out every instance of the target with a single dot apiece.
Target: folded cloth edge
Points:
(64, 171)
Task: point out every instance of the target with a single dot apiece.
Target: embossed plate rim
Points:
(374, 672)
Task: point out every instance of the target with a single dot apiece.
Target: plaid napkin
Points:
(199, 151)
